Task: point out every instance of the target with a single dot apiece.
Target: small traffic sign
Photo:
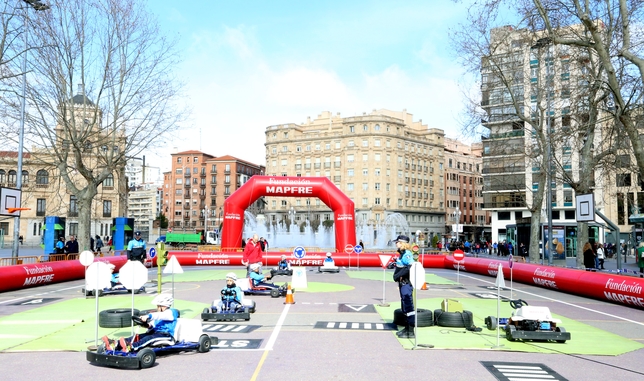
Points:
(348, 248)
(384, 259)
(357, 249)
(299, 252)
(459, 255)
(153, 252)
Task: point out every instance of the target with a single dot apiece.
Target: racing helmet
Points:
(232, 276)
(163, 300)
(328, 254)
(283, 257)
(254, 266)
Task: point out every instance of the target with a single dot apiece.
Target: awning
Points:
(58, 227)
(126, 228)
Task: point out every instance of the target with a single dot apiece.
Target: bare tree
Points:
(582, 107)
(114, 54)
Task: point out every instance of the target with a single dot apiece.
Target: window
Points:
(195, 160)
(107, 208)
(180, 180)
(365, 143)
(73, 206)
(42, 177)
(12, 177)
(25, 177)
(365, 172)
(41, 206)
(349, 186)
(365, 128)
(350, 158)
(365, 157)
(352, 129)
(377, 186)
(178, 160)
(109, 181)
(376, 142)
(623, 179)
(376, 127)
(376, 157)
(73, 228)
(365, 186)
(2, 176)
(350, 172)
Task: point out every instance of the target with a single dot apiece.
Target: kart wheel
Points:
(509, 329)
(425, 317)
(204, 344)
(146, 357)
(560, 329)
(290, 272)
(491, 323)
(206, 310)
(251, 309)
(116, 318)
(453, 319)
(100, 293)
(275, 293)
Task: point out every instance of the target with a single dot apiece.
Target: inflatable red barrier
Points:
(23, 276)
(597, 285)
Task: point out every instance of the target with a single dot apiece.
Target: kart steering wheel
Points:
(518, 303)
(138, 321)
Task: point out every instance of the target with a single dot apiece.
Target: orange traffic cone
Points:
(424, 286)
(289, 296)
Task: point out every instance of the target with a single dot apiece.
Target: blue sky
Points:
(251, 64)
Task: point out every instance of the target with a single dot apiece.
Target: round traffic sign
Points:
(86, 258)
(348, 248)
(459, 255)
(153, 252)
(133, 275)
(299, 252)
(357, 249)
(98, 276)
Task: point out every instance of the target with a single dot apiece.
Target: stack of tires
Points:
(439, 317)
(117, 318)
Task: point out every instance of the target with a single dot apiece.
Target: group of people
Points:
(71, 246)
(594, 255)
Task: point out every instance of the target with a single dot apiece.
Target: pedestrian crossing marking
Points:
(237, 328)
(356, 326)
(509, 371)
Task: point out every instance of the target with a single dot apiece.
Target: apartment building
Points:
(465, 217)
(538, 76)
(386, 162)
(195, 188)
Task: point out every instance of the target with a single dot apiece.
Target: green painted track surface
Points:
(67, 325)
(585, 339)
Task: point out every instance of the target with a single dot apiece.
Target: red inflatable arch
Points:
(258, 186)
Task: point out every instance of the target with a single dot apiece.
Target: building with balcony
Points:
(195, 188)
(386, 162)
(464, 192)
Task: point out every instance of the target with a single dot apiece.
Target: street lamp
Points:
(541, 43)
(38, 6)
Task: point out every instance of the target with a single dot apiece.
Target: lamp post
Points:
(541, 43)
(38, 6)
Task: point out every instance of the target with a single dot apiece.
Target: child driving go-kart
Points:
(283, 267)
(231, 296)
(161, 325)
(259, 286)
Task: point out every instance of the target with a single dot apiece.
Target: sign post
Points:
(349, 250)
(358, 249)
(417, 279)
(510, 262)
(384, 261)
(459, 255)
(500, 283)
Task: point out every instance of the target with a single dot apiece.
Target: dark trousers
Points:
(407, 301)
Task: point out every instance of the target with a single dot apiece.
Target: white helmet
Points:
(163, 300)
(283, 256)
(232, 276)
(254, 266)
(328, 254)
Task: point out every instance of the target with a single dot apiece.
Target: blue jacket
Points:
(165, 321)
(238, 294)
(405, 259)
(256, 277)
(135, 244)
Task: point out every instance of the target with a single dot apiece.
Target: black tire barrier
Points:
(116, 318)
(425, 317)
(491, 323)
(453, 319)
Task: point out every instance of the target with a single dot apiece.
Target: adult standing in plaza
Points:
(136, 248)
(401, 275)
(640, 259)
(252, 253)
(71, 246)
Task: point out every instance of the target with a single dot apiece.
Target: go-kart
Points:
(118, 289)
(287, 272)
(533, 323)
(188, 336)
(230, 310)
(328, 267)
(246, 285)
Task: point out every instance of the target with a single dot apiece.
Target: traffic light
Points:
(162, 254)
